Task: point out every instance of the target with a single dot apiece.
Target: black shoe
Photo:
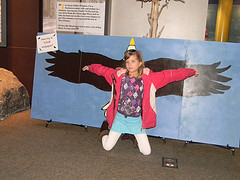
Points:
(103, 130)
(101, 134)
(104, 126)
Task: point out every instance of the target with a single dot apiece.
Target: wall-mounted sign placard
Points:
(47, 43)
(87, 18)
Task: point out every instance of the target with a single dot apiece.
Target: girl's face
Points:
(132, 65)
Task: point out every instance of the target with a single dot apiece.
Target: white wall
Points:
(181, 20)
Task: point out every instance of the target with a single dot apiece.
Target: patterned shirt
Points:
(130, 101)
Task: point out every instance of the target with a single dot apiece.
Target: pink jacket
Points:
(152, 82)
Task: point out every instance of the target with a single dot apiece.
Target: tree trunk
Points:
(154, 19)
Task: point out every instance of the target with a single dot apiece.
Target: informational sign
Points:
(88, 18)
(47, 43)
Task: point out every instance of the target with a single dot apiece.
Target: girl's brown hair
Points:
(138, 54)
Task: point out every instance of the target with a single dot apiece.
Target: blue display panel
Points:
(201, 109)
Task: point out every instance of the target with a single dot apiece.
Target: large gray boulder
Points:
(13, 95)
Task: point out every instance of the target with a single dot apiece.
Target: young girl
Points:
(132, 107)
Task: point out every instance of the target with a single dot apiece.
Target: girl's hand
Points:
(196, 73)
(85, 68)
(146, 71)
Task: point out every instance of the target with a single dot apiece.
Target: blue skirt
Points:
(130, 125)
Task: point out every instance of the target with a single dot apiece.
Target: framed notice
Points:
(3, 23)
(76, 16)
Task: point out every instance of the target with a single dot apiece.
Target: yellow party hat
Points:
(132, 45)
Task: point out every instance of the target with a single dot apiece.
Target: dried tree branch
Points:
(154, 15)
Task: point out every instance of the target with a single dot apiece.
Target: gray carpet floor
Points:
(29, 150)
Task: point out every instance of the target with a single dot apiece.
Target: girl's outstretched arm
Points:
(165, 77)
(100, 70)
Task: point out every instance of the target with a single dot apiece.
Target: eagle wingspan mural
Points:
(68, 66)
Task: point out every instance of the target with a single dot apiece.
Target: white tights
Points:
(110, 140)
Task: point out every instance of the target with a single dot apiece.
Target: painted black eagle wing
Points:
(210, 81)
(68, 66)
(65, 66)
